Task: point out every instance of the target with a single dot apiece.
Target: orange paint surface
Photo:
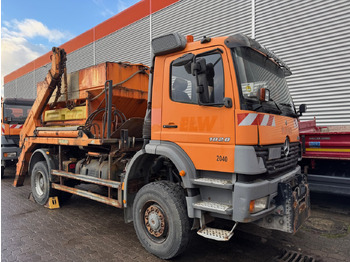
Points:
(197, 125)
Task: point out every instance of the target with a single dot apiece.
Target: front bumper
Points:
(288, 201)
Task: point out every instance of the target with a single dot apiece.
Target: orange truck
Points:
(208, 131)
(14, 113)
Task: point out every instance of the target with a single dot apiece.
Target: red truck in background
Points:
(326, 157)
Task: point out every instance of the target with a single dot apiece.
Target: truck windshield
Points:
(16, 113)
(254, 71)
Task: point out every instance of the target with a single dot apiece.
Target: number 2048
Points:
(221, 158)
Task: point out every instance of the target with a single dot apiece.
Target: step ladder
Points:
(216, 234)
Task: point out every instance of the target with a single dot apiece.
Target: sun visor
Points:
(239, 40)
(168, 43)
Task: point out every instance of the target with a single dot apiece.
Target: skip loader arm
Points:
(53, 80)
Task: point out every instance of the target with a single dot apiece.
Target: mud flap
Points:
(292, 206)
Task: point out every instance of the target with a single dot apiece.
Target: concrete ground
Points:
(84, 230)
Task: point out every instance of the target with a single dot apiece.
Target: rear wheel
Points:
(40, 183)
(2, 171)
(160, 219)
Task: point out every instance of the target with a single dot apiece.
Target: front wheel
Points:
(160, 219)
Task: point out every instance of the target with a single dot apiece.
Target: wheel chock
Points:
(52, 203)
(31, 198)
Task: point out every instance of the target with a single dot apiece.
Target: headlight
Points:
(258, 204)
(12, 154)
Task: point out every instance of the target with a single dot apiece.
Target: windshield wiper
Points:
(293, 113)
(278, 108)
(285, 104)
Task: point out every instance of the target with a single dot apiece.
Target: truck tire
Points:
(2, 171)
(160, 219)
(40, 183)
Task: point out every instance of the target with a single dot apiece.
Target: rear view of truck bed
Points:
(326, 157)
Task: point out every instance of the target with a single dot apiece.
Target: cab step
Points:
(213, 207)
(215, 234)
(213, 182)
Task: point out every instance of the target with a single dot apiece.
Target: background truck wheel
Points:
(160, 219)
(2, 171)
(40, 183)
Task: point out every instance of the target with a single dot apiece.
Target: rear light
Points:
(258, 204)
(71, 166)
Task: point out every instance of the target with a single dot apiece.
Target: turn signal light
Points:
(258, 204)
(12, 154)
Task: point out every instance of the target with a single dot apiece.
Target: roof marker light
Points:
(189, 38)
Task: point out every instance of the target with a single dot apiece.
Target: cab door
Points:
(205, 132)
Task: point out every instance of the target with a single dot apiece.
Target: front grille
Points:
(282, 164)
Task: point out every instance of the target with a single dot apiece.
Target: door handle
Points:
(169, 126)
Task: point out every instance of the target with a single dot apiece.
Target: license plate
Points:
(292, 206)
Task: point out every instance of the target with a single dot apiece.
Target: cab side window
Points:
(183, 86)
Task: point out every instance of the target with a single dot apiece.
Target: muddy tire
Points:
(160, 219)
(40, 183)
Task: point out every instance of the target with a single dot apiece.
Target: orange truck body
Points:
(197, 129)
(14, 113)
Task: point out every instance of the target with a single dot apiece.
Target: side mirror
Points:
(263, 94)
(199, 70)
(302, 109)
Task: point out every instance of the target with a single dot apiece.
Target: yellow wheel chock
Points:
(52, 203)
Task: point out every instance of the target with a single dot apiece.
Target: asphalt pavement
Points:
(85, 230)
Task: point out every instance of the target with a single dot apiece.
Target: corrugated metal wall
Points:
(81, 58)
(24, 86)
(311, 36)
(207, 17)
(129, 44)
(10, 89)
(41, 73)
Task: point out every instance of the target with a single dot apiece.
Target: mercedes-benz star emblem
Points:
(286, 147)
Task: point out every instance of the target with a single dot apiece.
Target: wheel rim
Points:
(155, 222)
(39, 183)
